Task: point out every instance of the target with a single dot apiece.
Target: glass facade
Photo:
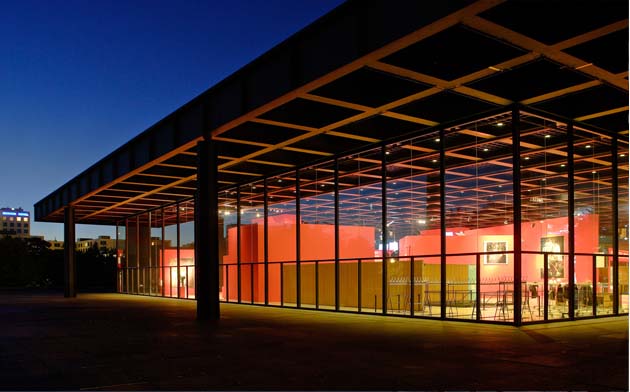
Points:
(453, 223)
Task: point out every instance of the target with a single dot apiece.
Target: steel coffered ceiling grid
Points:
(466, 62)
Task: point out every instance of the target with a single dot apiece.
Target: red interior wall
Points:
(170, 260)
(586, 234)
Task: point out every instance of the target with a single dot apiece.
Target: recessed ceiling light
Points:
(622, 155)
(547, 136)
(434, 160)
(544, 179)
(437, 140)
(563, 165)
(588, 146)
(527, 158)
(485, 149)
(387, 152)
(594, 172)
(499, 124)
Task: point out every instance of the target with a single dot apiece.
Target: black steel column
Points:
(546, 285)
(178, 245)
(138, 255)
(478, 287)
(150, 258)
(163, 272)
(516, 204)
(266, 239)
(594, 280)
(70, 262)
(615, 228)
(571, 217)
(117, 260)
(336, 233)
(442, 225)
(207, 232)
(298, 222)
(384, 238)
(127, 278)
(238, 244)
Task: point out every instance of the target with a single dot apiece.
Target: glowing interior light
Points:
(527, 158)
(547, 136)
(500, 124)
(588, 146)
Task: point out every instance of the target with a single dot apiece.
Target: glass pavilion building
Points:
(441, 160)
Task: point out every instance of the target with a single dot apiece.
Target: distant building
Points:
(104, 243)
(55, 245)
(15, 222)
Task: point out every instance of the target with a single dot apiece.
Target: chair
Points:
(504, 300)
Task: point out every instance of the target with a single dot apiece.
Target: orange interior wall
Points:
(317, 242)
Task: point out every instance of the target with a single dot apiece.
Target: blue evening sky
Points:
(80, 78)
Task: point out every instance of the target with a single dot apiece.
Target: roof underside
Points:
(362, 75)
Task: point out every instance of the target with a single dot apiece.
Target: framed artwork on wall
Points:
(554, 244)
(495, 246)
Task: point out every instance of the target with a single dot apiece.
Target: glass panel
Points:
(583, 306)
(169, 265)
(348, 285)
(228, 243)
(479, 215)
(532, 287)
(282, 240)
(144, 254)
(604, 290)
(623, 284)
(252, 243)
(317, 234)
(623, 223)
(132, 257)
(413, 225)
(187, 249)
(544, 198)
(157, 283)
(121, 258)
(360, 222)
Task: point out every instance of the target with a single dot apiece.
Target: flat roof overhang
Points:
(365, 73)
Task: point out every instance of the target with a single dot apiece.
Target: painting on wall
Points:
(554, 244)
(495, 246)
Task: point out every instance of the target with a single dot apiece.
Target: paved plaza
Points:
(121, 342)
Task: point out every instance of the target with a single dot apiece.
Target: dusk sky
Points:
(80, 78)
